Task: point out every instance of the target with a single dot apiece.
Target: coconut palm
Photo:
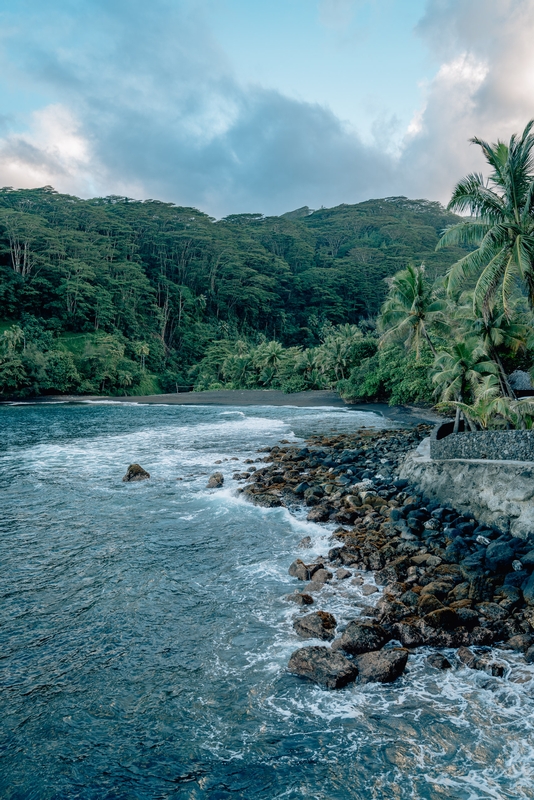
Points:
(488, 407)
(457, 372)
(495, 331)
(501, 223)
(409, 309)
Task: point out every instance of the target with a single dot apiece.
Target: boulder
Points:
(529, 655)
(521, 641)
(528, 590)
(318, 625)
(301, 599)
(438, 661)
(381, 666)
(322, 665)
(322, 576)
(484, 662)
(135, 472)
(215, 481)
(298, 569)
(362, 637)
(445, 619)
(305, 543)
(499, 557)
(342, 574)
(319, 514)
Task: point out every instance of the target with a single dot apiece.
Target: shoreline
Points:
(408, 415)
(448, 582)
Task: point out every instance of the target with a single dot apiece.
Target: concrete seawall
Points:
(499, 493)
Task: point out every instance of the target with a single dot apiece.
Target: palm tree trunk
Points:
(503, 378)
(427, 337)
(456, 421)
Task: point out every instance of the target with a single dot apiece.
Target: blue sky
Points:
(258, 105)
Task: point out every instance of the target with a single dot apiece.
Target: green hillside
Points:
(114, 295)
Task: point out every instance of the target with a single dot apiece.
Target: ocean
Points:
(145, 635)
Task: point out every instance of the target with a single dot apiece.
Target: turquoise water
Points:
(144, 634)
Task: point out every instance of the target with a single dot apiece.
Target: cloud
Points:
(152, 106)
(484, 87)
(141, 100)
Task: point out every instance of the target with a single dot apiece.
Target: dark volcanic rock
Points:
(135, 472)
(528, 590)
(301, 599)
(381, 666)
(323, 666)
(298, 569)
(319, 514)
(215, 481)
(484, 662)
(361, 637)
(318, 625)
(322, 576)
(521, 641)
(443, 618)
(499, 557)
(438, 661)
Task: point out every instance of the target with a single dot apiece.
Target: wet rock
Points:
(215, 481)
(322, 576)
(361, 637)
(319, 514)
(481, 636)
(484, 662)
(381, 666)
(298, 569)
(468, 618)
(521, 641)
(318, 625)
(305, 543)
(491, 611)
(428, 603)
(368, 589)
(322, 665)
(499, 557)
(528, 590)
(342, 573)
(438, 661)
(300, 598)
(135, 472)
(445, 619)
(529, 655)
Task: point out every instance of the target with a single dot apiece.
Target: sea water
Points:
(145, 635)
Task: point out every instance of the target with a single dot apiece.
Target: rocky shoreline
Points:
(448, 582)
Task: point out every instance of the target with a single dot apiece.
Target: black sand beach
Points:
(257, 397)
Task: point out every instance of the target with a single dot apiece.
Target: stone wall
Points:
(499, 493)
(493, 445)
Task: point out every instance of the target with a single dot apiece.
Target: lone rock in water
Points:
(135, 472)
(215, 481)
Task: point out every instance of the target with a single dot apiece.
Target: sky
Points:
(265, 106)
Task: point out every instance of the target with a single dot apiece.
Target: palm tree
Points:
(495, 331)
(458, 371)
(501, 223)
(408, 310)
(488, 406)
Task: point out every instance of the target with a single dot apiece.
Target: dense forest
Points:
(117, 296)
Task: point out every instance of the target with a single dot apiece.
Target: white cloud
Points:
(143, 102)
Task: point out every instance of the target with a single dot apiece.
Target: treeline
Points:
(115, 296)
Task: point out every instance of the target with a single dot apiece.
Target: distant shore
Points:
(258, 397)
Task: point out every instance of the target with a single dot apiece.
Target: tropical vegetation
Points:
(392, 299)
